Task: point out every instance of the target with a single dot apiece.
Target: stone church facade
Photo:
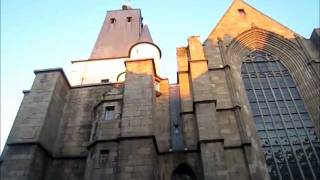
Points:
(246, 106)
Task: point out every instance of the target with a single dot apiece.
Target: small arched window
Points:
(113, 20)
(183, 172)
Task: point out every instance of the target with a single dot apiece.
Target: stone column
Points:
(31, 142)
(211, 142)
(189, 125)
(137, 151)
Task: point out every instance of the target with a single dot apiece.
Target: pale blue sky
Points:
(39, 34)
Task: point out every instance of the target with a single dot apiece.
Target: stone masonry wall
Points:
(27, 162)
(36, 125)
(78, 117)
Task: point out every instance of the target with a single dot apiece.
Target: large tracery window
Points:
(288, 138)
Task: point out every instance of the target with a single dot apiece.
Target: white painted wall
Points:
(144, 51)
(90, 72)
(93, 71)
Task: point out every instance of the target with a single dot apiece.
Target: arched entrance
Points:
(183, 172)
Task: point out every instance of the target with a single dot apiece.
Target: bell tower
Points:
(124, 52)
(122, 37)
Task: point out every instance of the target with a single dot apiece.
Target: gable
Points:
(241, 17)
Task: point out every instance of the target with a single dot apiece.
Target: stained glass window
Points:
(288, 138)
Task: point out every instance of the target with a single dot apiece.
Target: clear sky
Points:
(39, 34)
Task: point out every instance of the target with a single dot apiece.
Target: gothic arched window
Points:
(183, 172)
(287, 135)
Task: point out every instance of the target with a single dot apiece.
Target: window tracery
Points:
(288, 138)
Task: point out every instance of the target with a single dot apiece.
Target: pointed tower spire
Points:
(145, 35)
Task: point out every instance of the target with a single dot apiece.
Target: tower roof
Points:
(145, 35)
(121, 29)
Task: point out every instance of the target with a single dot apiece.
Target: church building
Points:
(246, 106)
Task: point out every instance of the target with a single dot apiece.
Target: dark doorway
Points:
(183, 172)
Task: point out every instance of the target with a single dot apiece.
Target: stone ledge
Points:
(199, 60)
(48, 153)
(218, 139)
(232, 108)
(96, 84)
(222, 67)
(53, 70)
(205, 101)
(242, 145)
